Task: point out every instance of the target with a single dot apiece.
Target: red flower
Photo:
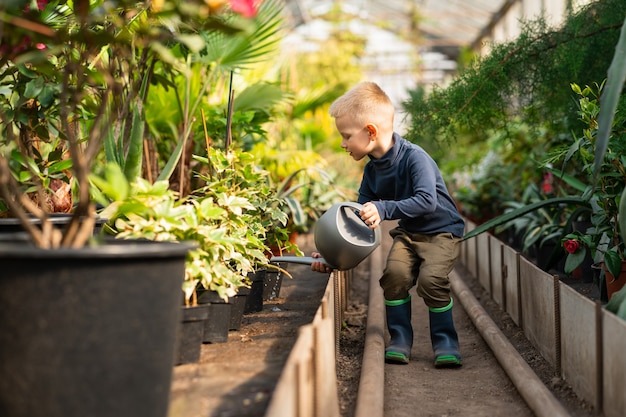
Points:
(571, 245)
(41, 4)
(546, 186)
(246, 8)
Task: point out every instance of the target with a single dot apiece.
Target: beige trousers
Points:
(422, 260)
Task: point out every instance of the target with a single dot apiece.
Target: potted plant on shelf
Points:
(603, 239)
(155, 212)
(227, 217)
(72, 75)
(611, 99)
(305, 191)
(237, 174)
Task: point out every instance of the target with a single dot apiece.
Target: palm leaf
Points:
(570, 180)
(609, 99)
(259, 96)
(314, 100)
(240, 50)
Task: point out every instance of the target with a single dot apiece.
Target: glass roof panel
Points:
(438, 23)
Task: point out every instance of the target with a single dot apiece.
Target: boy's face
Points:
(357, 139)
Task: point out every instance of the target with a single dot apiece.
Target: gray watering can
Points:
(341, 237)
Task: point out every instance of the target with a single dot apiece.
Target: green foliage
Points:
(188, 108)
(521, 211)
(610, 99)
(539, 226)
(604, 189)
(300, 178)
(527, 78)
(505, 169)
(601, 199)
(238, 173)
(78, 73)
(230, 218)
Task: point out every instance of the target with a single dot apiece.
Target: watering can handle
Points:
(304, 260)
(357, 206)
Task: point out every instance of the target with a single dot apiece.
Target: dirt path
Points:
(480, 388)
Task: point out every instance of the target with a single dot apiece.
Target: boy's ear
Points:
(371, 129)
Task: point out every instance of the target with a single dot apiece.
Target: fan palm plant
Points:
(196, 105)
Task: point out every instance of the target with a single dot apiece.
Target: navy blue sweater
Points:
(405, 184)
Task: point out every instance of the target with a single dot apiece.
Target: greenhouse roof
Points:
(443, 25)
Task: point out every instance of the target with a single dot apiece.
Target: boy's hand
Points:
(319, 266)
(369, 214)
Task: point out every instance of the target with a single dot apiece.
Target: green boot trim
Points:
(396, 357)
(441, 309)
(393, 303)
(447, 361)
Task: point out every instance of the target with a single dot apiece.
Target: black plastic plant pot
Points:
(91, 331)
(254, 299)
(273, 282)
(217, 324)
(238, 303)
(13, 226)
(190, 334)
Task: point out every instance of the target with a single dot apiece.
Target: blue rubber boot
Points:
(444, 338)
(400, 330)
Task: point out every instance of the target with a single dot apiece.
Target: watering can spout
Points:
(341, 237)
(303, 260)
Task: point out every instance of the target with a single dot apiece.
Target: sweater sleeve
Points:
(420, 196)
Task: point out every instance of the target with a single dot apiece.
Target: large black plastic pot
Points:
(89, 332)
(12, 228)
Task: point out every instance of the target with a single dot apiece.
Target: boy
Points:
(402, 182)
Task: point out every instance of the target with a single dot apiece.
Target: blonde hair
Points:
(366, 102)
